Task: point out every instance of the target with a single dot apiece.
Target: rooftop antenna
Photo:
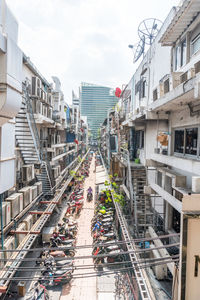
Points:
(149, 29)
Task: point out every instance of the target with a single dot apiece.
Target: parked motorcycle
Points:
(52, 277)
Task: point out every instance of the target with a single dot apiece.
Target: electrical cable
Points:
(100, 273)
(103, 264)
(92, 256)
(63, 247)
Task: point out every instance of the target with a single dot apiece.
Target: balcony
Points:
(185, 164)
(185, 86)
(41, 119)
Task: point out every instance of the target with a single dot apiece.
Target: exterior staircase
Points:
(45, 178)
(142, 207)
(28, 141)
(25, 137)
(140, 204)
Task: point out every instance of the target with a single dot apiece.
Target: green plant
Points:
(106, 183)
(114, 185)
(72, 173)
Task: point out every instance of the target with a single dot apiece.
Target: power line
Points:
(103, 244)
(103, 264)
(84, 275)
(91, 256)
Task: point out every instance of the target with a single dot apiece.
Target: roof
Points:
(181, 21)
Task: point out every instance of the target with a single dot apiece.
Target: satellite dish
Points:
(139, 49)
(149, 29)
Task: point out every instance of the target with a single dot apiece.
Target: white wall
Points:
(7, 158)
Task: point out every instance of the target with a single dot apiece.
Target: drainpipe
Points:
(1, 211)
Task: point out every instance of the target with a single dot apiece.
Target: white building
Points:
(10, 94)
(157, 120)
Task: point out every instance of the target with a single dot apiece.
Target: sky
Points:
(84, 40)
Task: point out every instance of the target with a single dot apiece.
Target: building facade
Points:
(95, 101)
(153, 139)
(42, 139)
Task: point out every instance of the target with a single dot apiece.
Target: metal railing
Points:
(126, 156)
(32, 124)
(139, 274)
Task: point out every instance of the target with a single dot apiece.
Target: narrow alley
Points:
(83, 288)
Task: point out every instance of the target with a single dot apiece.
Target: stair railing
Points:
(126, 156)
(34, 132)
(49, 171)
(32, 124)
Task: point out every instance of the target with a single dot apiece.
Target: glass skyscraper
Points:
(95, 101)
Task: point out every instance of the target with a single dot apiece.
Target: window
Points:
(183, 53)
(180, 54)
(155, 95)
(139, 136)
(191, 141)
(195, 44)
(177, 57)
(143, 88)
(166, 86)
(186, 141)
(179, 141)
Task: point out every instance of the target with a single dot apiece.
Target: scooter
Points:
(67, 247)
(52, 278)
(89, 197)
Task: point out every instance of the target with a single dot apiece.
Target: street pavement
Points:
(83, 288)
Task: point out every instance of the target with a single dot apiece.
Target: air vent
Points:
(184, 77)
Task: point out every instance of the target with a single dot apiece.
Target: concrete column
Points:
(168, 216)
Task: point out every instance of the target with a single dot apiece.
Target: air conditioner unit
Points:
(36, 87)
(50, 111)
(44, 110)
(57, 181)
(59, 170)
(49, 96)
(47, 233)
(161, 89)
(53, 138)
(184, 77)
(197, 67)
(14, 204)
(38, 107)
(34, 191)
(55, 172)
(6, 213)
(34, 106)
(21, 201)
(58, 139)
(27, 195)
(39, 187)
(176, 79)
(20, 237)
(28, 173)
(141, 109)
(9, 244)
(191, 73)
(28, 221)
(45, 97)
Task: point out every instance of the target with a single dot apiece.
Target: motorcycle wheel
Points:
(70, 253)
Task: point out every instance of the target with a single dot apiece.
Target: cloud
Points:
(83, 40)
